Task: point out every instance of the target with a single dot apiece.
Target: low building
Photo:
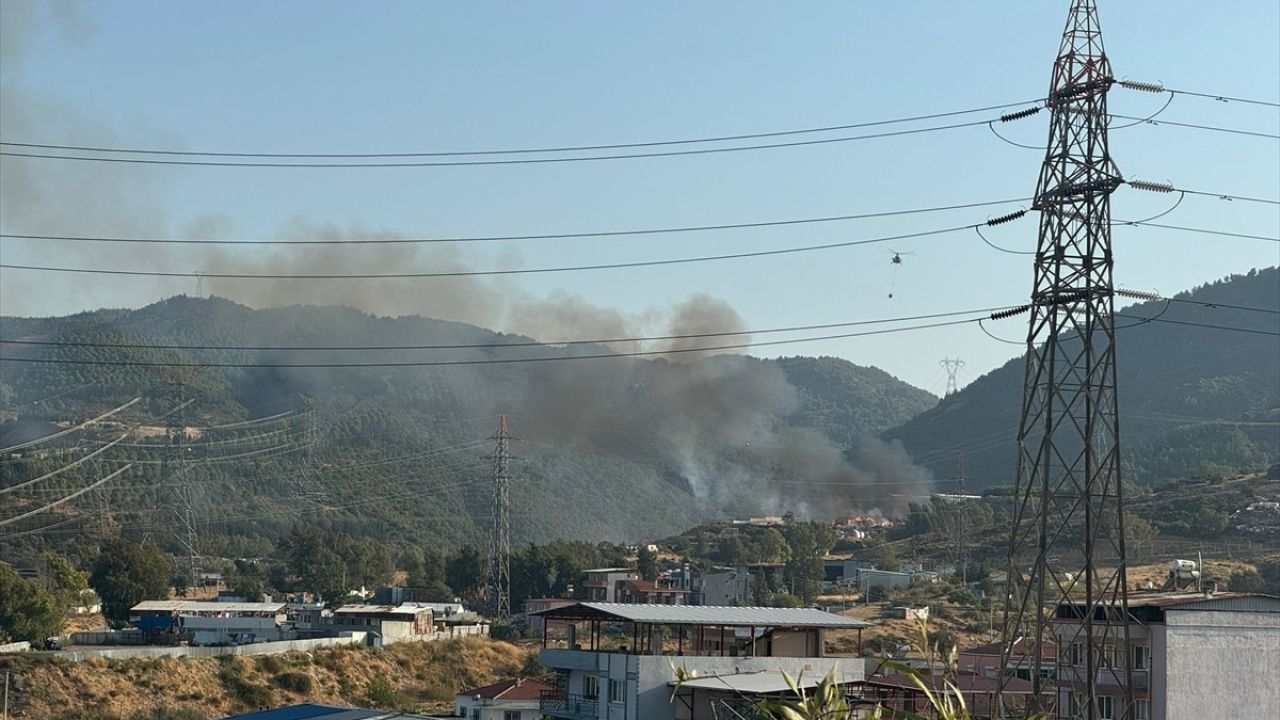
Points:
(386, 623)
(651, 592)
(313, 711)
(907, 612)
(722, 587)
(985, 660)
(533, 607)
(1190, 655)
(601, 584)
(886, 579)
(507, 700)
(211, 623)
(622, 661)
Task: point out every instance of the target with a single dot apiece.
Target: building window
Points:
(1076, 653)
(1106, 707)
(617, 691)
(1141, 709)
(511, 715)
(1141, 657)
(590, 686)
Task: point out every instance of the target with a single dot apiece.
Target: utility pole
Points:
(500, 530)
(952, 366)
(1067, 533)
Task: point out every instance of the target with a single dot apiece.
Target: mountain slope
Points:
(1192, 399)
(615, 449)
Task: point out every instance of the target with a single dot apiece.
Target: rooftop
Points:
(764, 682)
(312, 711)
(201, 607)
(405, 609)
(703, 615)
(1047, 650)
(517, 689)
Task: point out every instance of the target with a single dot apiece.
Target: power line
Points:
(68, 431)
(493, 361)
(60, 501)
(474, 273)
(64, 468)
(520, 161)
(1212, 128)
(480, 346)
(511, 151)
(1201, 325)
(1204, 231)
(1159, 88)
(544, 236)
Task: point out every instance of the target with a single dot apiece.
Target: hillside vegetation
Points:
(1193, 400)
(618, 449)
(406, 676)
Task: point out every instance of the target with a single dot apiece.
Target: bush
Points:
(382, 693)
(294, 682)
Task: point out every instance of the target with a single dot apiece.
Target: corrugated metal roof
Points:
(406, 609)
(1256, 602)
(312, 711)
(706, 615)
(197, 606)
(764, 682)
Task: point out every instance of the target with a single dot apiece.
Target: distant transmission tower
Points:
(960, 473)
(183, 487)
(200, 276)
(500, 531)
(1067, 539)
(952, 366)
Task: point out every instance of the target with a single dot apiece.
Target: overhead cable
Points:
(1213, 128)
(510, 151)
(68, 431)
(1160, 88)
(64, 468)
(543, 236)
(494, 361)
(466, 163)
(61, 501)
(500, 345)
(473, 273)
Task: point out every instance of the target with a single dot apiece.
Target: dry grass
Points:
(419, 676)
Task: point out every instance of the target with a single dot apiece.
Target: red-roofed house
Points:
(651, 592)
(506, 700)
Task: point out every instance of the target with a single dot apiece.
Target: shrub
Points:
(294, 682)
(382, 693)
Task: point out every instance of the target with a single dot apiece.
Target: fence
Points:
(15, 647)
(267, 648)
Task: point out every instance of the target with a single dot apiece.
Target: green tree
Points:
(27, 612)
(647, 563)
(62, 580)
(126, 573)
(466, 573)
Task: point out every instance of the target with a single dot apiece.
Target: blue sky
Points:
(397, 76)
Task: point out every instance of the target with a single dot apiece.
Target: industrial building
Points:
(211, 623)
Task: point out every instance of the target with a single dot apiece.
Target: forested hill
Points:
(1193, 400)
(394, 442)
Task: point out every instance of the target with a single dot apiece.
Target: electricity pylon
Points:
(1066, 546)
(952, 366)
(500, 530)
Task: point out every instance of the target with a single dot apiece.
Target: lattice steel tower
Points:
(952, 366)
(500, 530)
(1067, 582)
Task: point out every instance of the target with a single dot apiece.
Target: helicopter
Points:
(895, 261)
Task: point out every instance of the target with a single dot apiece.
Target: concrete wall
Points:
(266, 648)
(1221, 664)
(15, 647)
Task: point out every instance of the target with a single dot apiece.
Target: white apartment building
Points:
(1191, 656)
(622, 661)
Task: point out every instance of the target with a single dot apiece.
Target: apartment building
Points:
(1190, 656)
(625, 662)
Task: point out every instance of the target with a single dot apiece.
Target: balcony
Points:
(567, 705)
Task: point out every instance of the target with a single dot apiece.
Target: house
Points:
(387, 623)
(601, 584)
(212, 623)
(984, 660)
(722, 587)
(620, 660)
(534, 606)
(516, 699)
(651, 592)
(1190, 655)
